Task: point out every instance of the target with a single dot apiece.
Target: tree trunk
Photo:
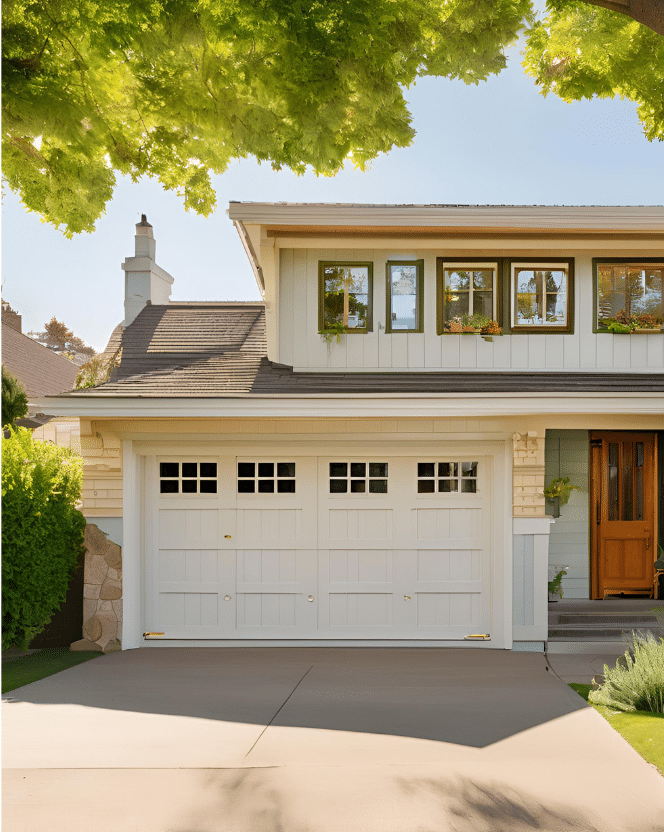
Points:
(648, 12)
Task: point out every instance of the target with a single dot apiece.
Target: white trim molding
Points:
(538, 217)
(386, 406)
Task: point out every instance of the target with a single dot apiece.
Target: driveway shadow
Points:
(464, 696)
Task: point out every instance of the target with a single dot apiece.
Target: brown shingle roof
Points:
(41, 371)
(218, 350)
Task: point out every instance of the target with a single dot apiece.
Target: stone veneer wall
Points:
(528, 477)
(102, 593)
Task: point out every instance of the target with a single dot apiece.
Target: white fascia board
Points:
(379, 405)
(628, 218)
(251, 251)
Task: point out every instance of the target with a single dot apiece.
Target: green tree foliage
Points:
(42, 532)
(97, 370)
(14, 399)
(581, 51)
(177, 88)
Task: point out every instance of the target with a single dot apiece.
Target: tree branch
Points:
(648, 12)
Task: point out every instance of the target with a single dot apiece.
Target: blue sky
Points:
(497, 143)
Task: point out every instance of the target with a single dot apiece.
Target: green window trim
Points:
(629, 261)
(566, 263)
(419, 296)
(322, 265)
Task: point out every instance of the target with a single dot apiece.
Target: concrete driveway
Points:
(318, 740)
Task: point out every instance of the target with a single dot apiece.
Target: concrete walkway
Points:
(318, 740)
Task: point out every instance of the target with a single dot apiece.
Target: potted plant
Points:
(467, 324)
(624, 324)
(492, 328)
(454, 324)
(474, 323)
(556, 586)
(559, 491)
(646, 322)
(333, 330)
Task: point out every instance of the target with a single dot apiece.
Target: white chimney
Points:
(145, 282)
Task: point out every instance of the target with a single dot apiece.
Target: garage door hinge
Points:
(478, 637)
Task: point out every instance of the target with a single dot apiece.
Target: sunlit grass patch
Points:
(39, 665)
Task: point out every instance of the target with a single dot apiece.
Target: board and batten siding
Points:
(566, 455)
(301, 346)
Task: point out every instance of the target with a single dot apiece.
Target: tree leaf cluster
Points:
(58, 337)
(581, 51)
(176, 89)
(42, 532)
(97, 370)
(14, 399)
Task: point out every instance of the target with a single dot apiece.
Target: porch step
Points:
(600, 627)
(592, 633)
(631, 619)
(596, 648)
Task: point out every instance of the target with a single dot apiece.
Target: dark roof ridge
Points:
(221, 303)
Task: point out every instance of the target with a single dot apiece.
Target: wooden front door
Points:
(622, 494)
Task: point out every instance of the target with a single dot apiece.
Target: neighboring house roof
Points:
(218, 350)
(41, 371)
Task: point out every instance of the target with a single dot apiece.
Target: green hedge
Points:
(42, 532)
(14, 399)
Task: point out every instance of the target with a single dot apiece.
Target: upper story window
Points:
(345, 297)
(629, 293)
(404, 296)
(542, 296)
(466, 290)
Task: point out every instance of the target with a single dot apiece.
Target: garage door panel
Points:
(269, 524)
(191, 609)
(357, 565)
(276, 567)
(438, 609)
(189, 528)
(359, 524)
(456, 526)
(449, 565)
(188, 565)
(360, 609)
(277, 614)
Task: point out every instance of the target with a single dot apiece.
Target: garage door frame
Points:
(501, 586)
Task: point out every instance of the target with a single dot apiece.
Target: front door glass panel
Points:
(613, 480)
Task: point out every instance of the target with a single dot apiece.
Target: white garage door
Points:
(330, 548)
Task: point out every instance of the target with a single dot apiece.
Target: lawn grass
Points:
(39, 665)
(643, 730)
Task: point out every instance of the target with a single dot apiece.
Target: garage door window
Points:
(187, 477)
(358, 477)
(446, 477)
(266, 478)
